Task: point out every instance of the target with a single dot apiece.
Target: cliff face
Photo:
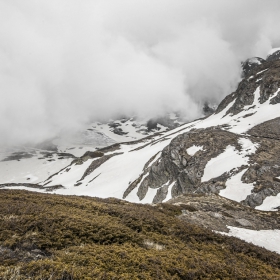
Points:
(266, 77)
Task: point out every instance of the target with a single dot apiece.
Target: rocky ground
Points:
(216, 213)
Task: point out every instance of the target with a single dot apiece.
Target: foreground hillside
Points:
(46, 236)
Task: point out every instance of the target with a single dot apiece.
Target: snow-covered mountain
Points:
(34, 164)
(233, 153)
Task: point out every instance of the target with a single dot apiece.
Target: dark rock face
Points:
(265, 171)
(185, 171)
(266, 76)
(274, 56)
(93, 154)
(114, 125)
(251, 64)
(119, 131)
(176, 165)
(269, 129)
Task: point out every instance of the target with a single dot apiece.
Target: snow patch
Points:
(229, 159)
(224, 162)
(257, 96)
(268, 239)
(193, 149)
(237, 123)
(68, 177)
(37, 169)
(169, 196)
(248, 147)
(31, 178)
(235, 189)
(23, 188)
(254, 60)
(149, 195)
(270, 203)
(261, 71)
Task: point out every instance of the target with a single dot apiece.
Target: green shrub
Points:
(45, 236)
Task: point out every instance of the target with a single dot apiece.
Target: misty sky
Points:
(64, 63)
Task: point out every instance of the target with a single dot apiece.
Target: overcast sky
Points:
(64, 63)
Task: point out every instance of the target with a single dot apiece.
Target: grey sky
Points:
(66, 62)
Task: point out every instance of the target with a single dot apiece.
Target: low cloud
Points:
(64, 63)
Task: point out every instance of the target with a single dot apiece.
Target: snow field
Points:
(235, 189)
(269, 239)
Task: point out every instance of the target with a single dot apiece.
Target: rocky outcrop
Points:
(216, 213)
(269, 129)
(274, 56)
(250, 64)
(265, 168)
(176, 165)
(185, 171)
(253, 63)
(265, 76)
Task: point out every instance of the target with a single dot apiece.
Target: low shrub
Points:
(45, 236)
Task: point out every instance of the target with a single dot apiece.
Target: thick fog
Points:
(64, 63)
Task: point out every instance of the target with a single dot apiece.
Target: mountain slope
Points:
(215, 154)
(56, 237)
(34, 164)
